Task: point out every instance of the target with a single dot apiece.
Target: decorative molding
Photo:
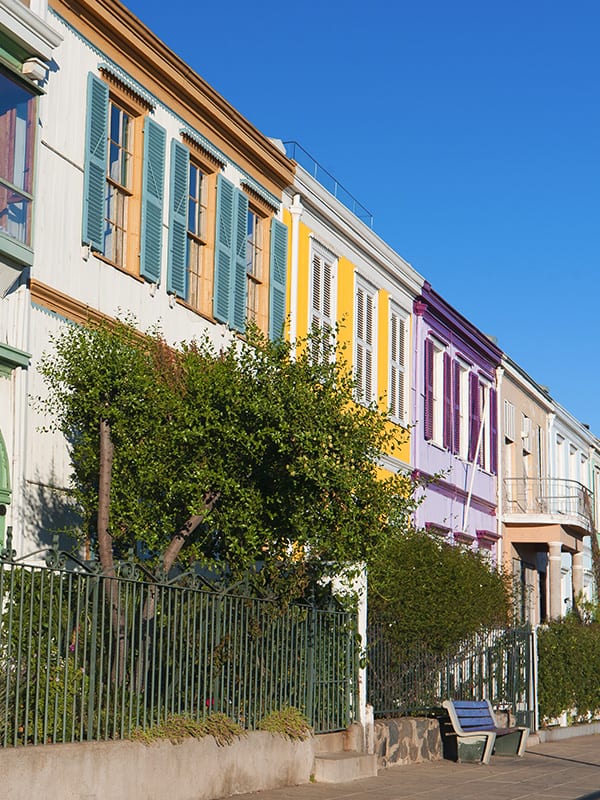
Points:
(113, 74)
(463, 538)
(419, 308)
(436, 528)
(51, 299)
(200, 141)
(487, 538)
(11, 358)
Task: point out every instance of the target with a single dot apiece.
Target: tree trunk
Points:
(168, 559)
(105, 550)
(186, 530)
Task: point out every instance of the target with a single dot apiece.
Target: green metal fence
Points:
(86, 657)
(496, 665)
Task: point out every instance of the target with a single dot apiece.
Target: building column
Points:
(555, 599)
(578, 582)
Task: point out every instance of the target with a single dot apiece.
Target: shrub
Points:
(287, 721)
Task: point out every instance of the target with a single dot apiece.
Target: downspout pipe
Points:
(499, 462)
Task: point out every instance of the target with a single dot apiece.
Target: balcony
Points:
(548, 501)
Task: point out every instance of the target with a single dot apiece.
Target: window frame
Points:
(365, 341)
(398, 366)
(19, 247)
(322, 319)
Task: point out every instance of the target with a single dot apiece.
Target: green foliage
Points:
(287, 721)
(176, 728)
(427, 591)
(569, 665)
(272, 450)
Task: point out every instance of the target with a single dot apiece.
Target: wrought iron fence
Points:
(496, 665)
(552, 496)
(89, 657)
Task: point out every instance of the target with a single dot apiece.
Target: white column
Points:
(555, 599)
(296, 212)
(578, 582)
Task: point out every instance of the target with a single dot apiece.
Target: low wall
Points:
(407, 740)
(196, 769)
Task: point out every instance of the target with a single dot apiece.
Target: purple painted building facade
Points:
(455, 438)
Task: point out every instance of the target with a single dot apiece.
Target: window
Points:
(434, 392)
(459, 408)
(255, 303)
(526, 433)
(17, 136)
(123, 202)
(397, 368)
(118, 183)
(244, 286)
(509, 421)
(461, 405)
(364, 342)
(322, 300)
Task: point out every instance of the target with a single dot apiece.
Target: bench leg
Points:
(476, 748)
(512, 744)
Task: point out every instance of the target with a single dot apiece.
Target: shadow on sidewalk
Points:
(573, 761)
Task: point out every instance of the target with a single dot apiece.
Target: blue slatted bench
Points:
(478, 736)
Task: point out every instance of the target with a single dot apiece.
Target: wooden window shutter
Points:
(473, 414)
(456, 407)
(493, 433)
(155, 139)
(447, 426)
(277, 279)
(428, 386)
(94, 180)
(178, 201)
(223, 250)
(240, 284)
(397, 366)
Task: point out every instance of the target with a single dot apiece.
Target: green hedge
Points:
(569, 669)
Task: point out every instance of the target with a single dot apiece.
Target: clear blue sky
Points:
(470, 130)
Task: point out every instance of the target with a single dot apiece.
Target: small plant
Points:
(176, 728)
(288, 722)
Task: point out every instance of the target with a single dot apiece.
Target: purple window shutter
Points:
(428, 380)
(473, 414)
(447, 401)
(456, 407)
(494, 433)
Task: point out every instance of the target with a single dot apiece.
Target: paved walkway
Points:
(564, 770)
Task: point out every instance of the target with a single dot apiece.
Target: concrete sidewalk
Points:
(563, 770)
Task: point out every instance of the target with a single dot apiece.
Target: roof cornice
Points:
(116, 30)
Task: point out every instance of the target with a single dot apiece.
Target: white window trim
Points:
(400, 366)
(365, 395)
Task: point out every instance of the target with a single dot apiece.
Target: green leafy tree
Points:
(230, 457)
(425, 591)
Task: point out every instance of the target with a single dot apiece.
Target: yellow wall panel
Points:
(345, 306)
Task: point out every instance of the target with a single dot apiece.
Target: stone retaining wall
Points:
(407, 740)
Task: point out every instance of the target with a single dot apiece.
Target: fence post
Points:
(310, 662)
(93, 656)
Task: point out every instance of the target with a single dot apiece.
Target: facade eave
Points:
(34, 35)
(348, 226)
(442, 312)
(116, 30)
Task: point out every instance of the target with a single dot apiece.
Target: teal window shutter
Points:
(277, 279)
(178, 198)
(153, 180)
(223, 250)
(240, 288)
(94, 180)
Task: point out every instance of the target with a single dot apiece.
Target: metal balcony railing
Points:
(326, 179)
(551, 497)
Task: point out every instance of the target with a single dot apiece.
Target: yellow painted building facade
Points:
(342, 274)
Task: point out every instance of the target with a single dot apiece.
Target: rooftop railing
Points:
(296, 152)
(549, 496)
